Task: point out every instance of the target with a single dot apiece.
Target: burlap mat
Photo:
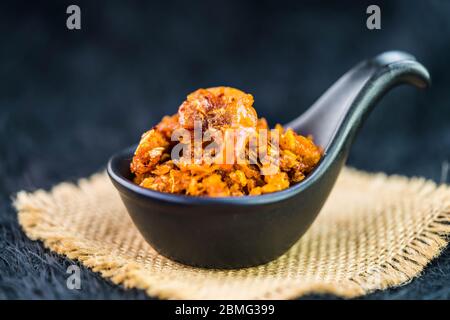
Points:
(374, 232)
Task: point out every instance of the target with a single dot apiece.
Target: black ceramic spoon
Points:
(235, 232)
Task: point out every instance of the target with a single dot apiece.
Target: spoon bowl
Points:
(236, 232)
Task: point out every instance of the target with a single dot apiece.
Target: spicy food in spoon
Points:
(217, 146)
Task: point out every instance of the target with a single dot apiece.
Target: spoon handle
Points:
(340, 111)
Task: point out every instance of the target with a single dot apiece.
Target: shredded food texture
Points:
(220, 109)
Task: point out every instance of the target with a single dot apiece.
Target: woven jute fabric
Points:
(374, 232)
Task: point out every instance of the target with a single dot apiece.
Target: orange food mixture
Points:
(219, 108)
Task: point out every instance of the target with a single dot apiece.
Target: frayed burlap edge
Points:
(401, 268)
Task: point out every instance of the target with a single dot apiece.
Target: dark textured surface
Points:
(70, 99)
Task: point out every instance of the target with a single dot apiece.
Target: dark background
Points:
(69, 99)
